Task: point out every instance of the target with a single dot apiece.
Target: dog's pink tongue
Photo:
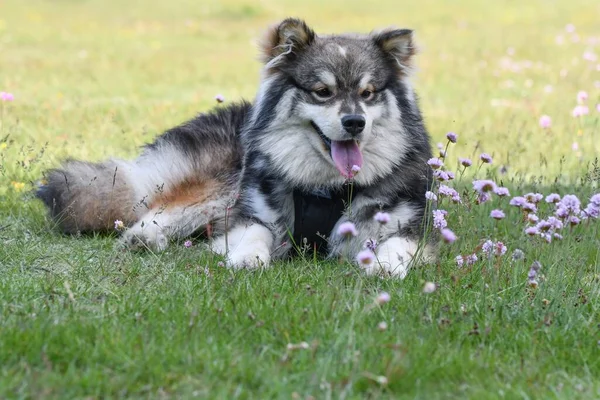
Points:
(345, 155)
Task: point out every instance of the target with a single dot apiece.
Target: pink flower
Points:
(598, 107)
(370, 244)
(435, 163)
(582, 96)
(534, 197)
(448, 236)
(529, 207)
(119, 225)
(355, 169)
(430, 196)
(483, 186)
(570, 28)
(383, 297)
(188, 243)
(429, 287)
(451, 136)
(532, 218)
(220, 98)
(465, 162)
(440, 175)
(497, 214)
(580, 111)
(486, 158)
(545, 121)
(517, 201)
(499, 249)
(5, 96)
(439, 219)
(483, 197)
(553, 198)
(501, 191)
(471, 259)
(347, 229)
(382, 217)
(460, 260)
(365, 258)
(532, 231)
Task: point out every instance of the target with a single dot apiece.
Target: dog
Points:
(335, 135)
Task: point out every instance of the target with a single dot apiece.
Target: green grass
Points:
(79, 319)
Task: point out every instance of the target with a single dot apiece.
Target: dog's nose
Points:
(354, 124)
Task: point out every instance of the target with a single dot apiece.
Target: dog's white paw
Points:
(394, 257)
(144, 235)
(249, 257)
(245, 247)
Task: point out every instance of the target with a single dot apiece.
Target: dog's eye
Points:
(323, 93)
(367, 94)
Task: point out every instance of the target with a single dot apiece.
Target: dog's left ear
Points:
(399, 44)
(285, 41)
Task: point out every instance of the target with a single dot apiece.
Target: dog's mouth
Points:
(346, 154)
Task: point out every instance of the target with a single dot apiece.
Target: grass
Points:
(79, 319)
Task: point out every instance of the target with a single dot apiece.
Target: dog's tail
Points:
(83, 196)
(181, 165)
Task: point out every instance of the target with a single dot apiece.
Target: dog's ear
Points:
(398, 44)
(285, 40)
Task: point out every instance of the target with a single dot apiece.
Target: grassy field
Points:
(79, 319)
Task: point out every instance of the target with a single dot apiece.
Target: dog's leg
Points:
(178, 215)
(259, 230)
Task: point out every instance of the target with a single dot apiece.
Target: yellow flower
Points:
(18, 186)
(3, 145)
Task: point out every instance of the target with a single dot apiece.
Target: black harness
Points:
(316, 213)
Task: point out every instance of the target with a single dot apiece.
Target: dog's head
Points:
(330, 103)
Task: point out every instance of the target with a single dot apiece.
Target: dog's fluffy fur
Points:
(324, 102)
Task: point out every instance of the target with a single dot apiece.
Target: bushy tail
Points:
(84, 197)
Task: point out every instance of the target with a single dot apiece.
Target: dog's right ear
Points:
(285, 41)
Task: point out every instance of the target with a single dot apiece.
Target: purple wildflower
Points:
(460, 260)
(450, 175)
(532, 218)
(465, 162)
(5, 96)
(429, 195)
(592, 211)
(517, 201)
(570, 203)
(545, 121)
(501, 191)
(447, 191)
(439, 219)
(483, 186)
(486, 158)
(595, 200)
(119, 225)
(435, 163)
(365, 257)
(582, 96)
(580, 111)
(534, 197)
(497, 214)
(483, 197)
(382, 217)
(532, 231)
(347, 229)
(499, 249)
(448, 236)
(532, 275)
(220, 98)
(553, 198)
(487, 247)
(440, 175)
(188, 244)
(451, 136)
(471, 259)
(371, 244)
(529, 207)
(383, 297)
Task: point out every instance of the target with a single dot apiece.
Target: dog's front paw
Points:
(245, 246)
(394, 257)
(249, 257)
(144, 236)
